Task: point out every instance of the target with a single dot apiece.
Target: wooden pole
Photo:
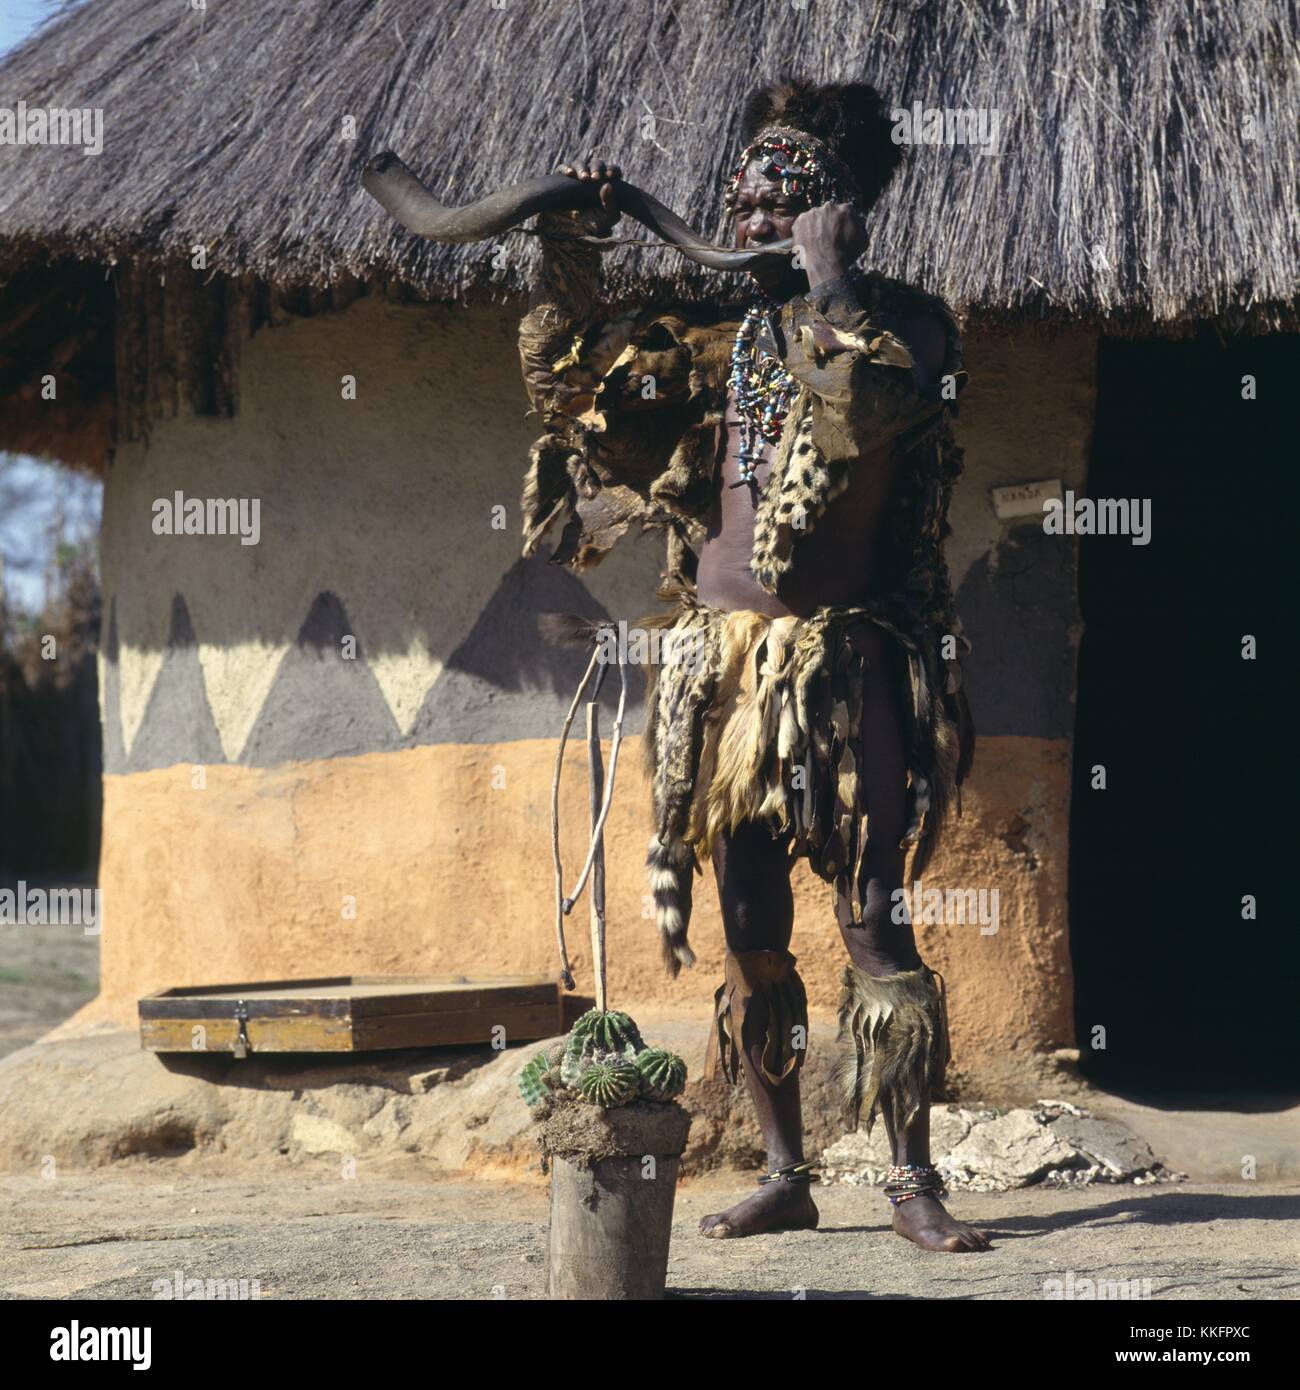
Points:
(596, 771)
(566, 973)
(598, 828)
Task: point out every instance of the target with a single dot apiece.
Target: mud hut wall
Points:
(331, 750)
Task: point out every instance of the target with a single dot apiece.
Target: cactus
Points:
(663, 1073)
(599, 1032)
(612, 1031)
(537, 1080)
(605, 1061)
(609, 1082)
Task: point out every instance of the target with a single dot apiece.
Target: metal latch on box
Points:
(242, 1045)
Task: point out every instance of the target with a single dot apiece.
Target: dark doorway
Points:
(1195, 741)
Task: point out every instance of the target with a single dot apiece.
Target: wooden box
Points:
(351, 1013)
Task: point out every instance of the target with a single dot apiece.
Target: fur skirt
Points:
(756, 718)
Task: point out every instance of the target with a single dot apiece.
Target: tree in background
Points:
(50, 609)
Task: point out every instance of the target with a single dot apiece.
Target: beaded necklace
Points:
(762, 388)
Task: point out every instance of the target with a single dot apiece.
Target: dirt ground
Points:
(314, 1235)
(46, 975)
(112, 1236)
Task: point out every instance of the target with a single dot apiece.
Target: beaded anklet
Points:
(907, 1180)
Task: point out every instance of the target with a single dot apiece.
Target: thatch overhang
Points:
(1147, 174)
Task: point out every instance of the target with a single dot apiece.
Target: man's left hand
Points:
(829, 239)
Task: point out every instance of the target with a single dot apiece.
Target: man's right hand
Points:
(600, 220)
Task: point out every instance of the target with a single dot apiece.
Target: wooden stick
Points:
(566, 971)
(598, 829)
(596, 780)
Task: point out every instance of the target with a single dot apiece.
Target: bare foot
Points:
(776, 1206)
(924, 1222)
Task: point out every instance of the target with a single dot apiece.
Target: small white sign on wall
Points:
(1025, 499)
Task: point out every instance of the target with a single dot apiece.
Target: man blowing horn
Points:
(803, 452)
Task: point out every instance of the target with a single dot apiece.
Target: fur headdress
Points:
(848, 128)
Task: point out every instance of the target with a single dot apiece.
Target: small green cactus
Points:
(612, 1031)
(663, 1073)
(609, 1082)
(537, 1080)
(599, 1032)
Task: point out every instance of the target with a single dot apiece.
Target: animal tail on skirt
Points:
(671, 863)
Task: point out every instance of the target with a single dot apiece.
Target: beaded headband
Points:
(805, 165)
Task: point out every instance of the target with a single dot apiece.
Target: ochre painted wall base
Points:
(437, 860)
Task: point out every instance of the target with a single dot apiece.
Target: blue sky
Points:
(18, 18)
(41, 504)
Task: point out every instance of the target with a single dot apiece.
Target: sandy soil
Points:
(316, 1235)
(113, 1236)
(46, 975)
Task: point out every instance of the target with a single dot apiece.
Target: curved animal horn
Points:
(402, 195)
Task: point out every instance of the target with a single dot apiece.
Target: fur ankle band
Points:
(894, 1029)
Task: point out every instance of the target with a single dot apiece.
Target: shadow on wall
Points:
(503, 681)
(391, 518)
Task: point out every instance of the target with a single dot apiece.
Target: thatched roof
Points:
(1129, 183)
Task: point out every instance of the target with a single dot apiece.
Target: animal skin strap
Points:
(792, 1172)
(759, 1008)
